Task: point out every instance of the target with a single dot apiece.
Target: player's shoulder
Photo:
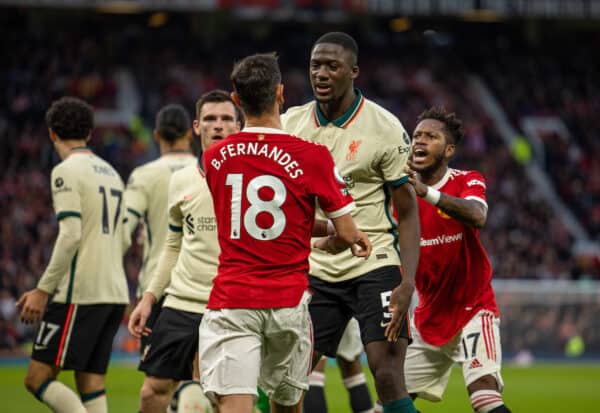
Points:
(384, 117)
(467, 177)
(296, 113)
(186, 173)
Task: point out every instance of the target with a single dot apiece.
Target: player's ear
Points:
(188, 135)
(196, 126)
(280, 99)
(354, 72)
(155, 136)
(52, 135)
(450, 148)
(235, 98)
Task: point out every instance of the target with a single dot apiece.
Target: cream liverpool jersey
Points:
(192, 217)
(370, 148)
(146, 199)
(86, 187)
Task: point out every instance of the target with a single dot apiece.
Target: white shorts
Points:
(476, 347)
(350, 345)
(240, 349)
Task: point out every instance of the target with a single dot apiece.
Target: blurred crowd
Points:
(177, 64)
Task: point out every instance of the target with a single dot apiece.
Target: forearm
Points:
(467, 211)
(409, 230)
(65, 248)
(409, 238)
(168, 258)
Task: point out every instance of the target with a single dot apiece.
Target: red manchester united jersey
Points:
(265, 185)
(454, 275)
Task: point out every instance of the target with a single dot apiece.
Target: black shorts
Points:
(173, 345)
(77, 336)
(150, 323)
(365, 298)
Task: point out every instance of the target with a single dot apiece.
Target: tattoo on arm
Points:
(467, 211)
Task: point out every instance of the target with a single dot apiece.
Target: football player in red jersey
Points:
(265, 184)
(457, 318)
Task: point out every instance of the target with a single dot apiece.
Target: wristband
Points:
(330, 228)
(432, 196)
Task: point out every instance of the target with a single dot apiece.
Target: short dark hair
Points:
(342, 39)
(172, 122)
(218, 96)
(255, 79)
(452, 124)
(70, 118)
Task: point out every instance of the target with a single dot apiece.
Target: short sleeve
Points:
(65, 192)
(329, 186)
(136, 199)
(394, 155)
(474, 187)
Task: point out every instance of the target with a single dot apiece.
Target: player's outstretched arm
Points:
(468, 211)
(409, 234)
(139, 316)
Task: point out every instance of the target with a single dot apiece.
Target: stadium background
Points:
(524, 76)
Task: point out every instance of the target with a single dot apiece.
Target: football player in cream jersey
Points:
(84, 278)
(146, 193)
(185, 270)
(370, 147)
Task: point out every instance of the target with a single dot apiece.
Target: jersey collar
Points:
(344, 120)
(442, 181)
(79, 149)
(261, 129)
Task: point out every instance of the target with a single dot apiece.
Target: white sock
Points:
(95, 402)
(378, 407)
(484, 401)
(192, 398)
(60, 398)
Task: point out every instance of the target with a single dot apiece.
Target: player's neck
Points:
(334, 109)
(180, 145)
(433, 177)
(266, 120)
(64, 147)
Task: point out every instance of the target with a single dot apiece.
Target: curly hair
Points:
(452, 124)
(70, 118)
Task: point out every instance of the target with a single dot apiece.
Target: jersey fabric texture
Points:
(454, 275)
(370, 147)
(265, 184)
(192, 224)
(146, 199)
(86, 187)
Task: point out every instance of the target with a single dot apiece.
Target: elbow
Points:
(479, 221)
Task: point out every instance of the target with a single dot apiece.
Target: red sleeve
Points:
(328, 185)
(474, 187)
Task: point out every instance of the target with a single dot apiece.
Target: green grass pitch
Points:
(546, 388)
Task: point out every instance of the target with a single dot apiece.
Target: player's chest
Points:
(198, 213)
(355, 154)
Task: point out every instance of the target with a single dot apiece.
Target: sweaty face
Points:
(429, 145)
(332, 72)
(217, 121)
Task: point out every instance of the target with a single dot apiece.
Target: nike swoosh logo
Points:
(385, 324)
